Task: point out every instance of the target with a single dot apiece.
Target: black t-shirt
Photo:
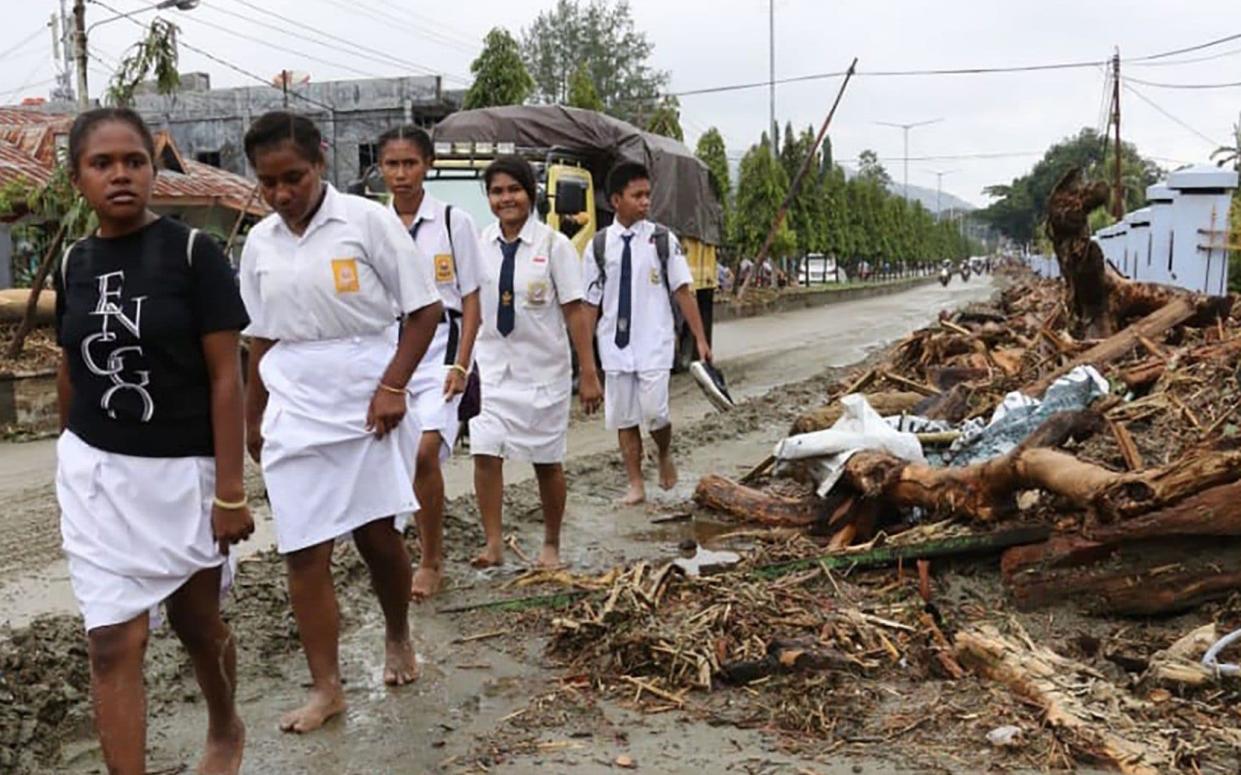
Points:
(130, 314)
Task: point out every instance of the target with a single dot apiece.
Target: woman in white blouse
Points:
(530, 283)
(324, 279)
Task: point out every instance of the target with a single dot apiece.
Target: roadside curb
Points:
(725, 309)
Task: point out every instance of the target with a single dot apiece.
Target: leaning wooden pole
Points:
(36, 288)
(241, 215)
(783, 212)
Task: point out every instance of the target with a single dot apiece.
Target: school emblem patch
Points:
(445, 268)
(655, 277)
(536, 293)
(345, 275)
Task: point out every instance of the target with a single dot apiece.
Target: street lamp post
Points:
(939, 189)
(81, 34)
(906, 128)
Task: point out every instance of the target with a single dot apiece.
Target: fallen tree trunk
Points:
(1150, 578)
(722, 494)
(1212, 512)
(1075, 699)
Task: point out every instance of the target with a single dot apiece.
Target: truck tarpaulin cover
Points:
(682, 197)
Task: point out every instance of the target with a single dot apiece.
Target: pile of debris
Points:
(1092, 446)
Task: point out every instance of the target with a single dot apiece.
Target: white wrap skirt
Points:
(133, 528)
(435, 414)
(326, 474)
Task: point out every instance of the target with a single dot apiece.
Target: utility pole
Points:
(771, 72)
(939, 190)
(62, 55)
(1118, 191)
(79, 51)
(284, 85)
(906, 128)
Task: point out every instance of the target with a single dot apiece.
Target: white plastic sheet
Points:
(859, 428)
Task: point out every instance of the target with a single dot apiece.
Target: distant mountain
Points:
(927, 197)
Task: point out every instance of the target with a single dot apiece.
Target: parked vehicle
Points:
(818, 269)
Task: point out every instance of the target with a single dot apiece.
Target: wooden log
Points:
(1148, 578)
(1081, 259)
(885, 403)
(1128, 448)
(1145, 373)
(1145, 491)
(1089, 711)
(13, 303)
(722, 494)
(1177, 311)
(1212, 512)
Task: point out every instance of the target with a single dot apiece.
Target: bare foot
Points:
(222, 755)
(489, 557)
(320, 706)
(667, 472)
(549, 557)
(634, 495)
(427, 583)
(400, 665)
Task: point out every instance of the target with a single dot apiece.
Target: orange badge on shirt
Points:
(345, 274)
(445, 268)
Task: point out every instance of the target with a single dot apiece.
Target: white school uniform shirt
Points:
(454, 263)
(351, 273)
(652, 338)
(546, 274)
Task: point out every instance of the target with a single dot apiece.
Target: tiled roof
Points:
(28, 150)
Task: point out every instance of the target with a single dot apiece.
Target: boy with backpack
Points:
(639, 283)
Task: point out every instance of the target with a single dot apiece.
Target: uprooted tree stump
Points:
(1101, 302)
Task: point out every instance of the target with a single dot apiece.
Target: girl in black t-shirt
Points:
(149, 463)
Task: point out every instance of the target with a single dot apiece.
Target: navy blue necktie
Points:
(504, 315)
(624, 306)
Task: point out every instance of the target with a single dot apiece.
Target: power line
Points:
(1152, 84)
(449, 36)
(21, 43)
(1168, 115)
(382, 58)
(1195, 60)
(278, 47)
(386, 18)
(1199, 47)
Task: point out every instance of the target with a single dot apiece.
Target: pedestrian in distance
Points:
(324, 278)
(531, 284)
(447, 238)
(634, 273)
(151, 451)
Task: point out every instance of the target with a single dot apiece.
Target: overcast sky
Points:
(701, 46)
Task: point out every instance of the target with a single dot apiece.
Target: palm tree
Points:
(1230, 154)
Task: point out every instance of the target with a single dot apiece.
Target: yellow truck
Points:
(571, 151)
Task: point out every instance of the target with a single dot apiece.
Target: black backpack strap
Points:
(662, 250)
(448, 227)
(599, 247)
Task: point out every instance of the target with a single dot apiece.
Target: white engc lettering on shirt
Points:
(111, 308)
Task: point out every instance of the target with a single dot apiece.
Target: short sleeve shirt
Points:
(131, 312)
(547, 274)
(454, 260)
(652, 337)
(352, 272)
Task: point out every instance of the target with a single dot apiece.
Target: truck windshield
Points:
(464, 193)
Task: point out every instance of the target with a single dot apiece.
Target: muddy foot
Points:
(222, 755)
(667, 472)
(489, 558)
(400, 665)
(549, 557)
(320, 706)
(633, 496)
(427, 583)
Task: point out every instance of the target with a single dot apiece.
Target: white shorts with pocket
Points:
(636, 399)
(522, 423)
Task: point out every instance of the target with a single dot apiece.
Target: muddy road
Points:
(488, 695)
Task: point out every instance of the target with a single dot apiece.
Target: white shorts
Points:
(522, 423)
(434, 413)
(133, 528)
(636, 399)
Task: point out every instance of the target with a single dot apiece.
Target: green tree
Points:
(1230, 154)
(761, 188)
(582, 92)
(601, 33)
(870, 168)
(713, 153)
(155, 54)
(1020, 206)
(500, 77)
(666, 120)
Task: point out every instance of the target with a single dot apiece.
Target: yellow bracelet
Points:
(390, 389)
(231, 505)
(458, 367)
